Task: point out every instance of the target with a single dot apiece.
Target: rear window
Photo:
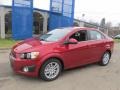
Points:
(95, 35)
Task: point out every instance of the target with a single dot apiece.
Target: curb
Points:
(5, 48)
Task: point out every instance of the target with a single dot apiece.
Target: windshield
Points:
(55, 35)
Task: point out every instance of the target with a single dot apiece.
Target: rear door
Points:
(95, 45)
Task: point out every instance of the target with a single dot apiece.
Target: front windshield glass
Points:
(55, 35)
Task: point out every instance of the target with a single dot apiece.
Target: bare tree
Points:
(102, 25)
(108, 25)
(119, 26)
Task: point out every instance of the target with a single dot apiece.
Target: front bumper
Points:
(18, 66)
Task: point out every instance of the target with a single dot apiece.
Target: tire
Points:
(51, 69)
(105, 59)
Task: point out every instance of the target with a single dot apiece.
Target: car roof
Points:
(77, 28)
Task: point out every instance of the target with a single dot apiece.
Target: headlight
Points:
(31, 55)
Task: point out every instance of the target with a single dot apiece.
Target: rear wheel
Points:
(105, 59)
(51, 69)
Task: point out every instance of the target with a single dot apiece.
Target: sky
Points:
(93, 10)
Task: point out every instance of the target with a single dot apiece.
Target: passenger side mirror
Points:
(71, 41)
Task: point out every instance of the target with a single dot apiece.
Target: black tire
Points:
(104, 62)
(51, 61)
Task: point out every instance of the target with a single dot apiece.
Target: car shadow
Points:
(80, 68)
(63, 74)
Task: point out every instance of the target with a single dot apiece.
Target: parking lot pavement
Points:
(91, 77)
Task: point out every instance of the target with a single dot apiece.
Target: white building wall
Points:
(45, 21)
(80, 23)
(2, 22)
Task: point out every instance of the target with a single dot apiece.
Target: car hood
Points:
(29, 44)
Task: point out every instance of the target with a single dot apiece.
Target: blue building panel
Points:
(61, 13)
(22, 19)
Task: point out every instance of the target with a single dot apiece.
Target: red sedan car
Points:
(60, 49)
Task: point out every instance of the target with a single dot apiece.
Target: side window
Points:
(95, 35)
(80, 35)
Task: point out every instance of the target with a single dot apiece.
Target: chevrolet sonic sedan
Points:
(60, 49)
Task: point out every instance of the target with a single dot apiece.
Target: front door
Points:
(77, 54)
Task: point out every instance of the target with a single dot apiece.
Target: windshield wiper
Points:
(43, 39)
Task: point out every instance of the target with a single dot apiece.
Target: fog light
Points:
(25, 69)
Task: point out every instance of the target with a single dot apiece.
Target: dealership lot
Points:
(91, 77)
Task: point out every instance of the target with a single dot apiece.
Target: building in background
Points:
(14, 21)
(40, 23)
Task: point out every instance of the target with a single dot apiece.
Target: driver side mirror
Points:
(71, 41)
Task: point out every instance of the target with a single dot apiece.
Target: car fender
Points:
(51, 55)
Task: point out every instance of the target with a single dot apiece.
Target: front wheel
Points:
(105, 59)
(51, 69)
